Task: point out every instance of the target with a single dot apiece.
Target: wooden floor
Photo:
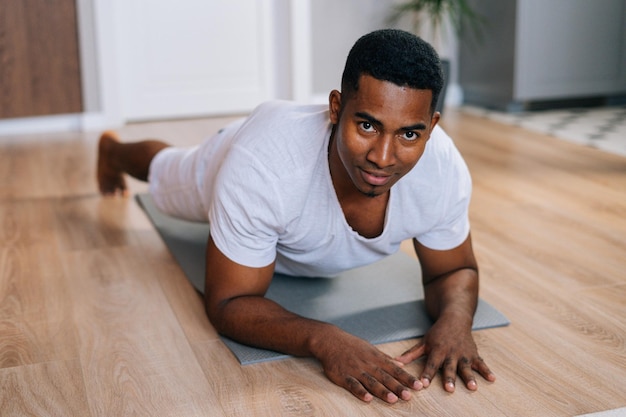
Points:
(96, 319)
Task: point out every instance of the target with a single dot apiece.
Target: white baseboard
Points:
(79, 122)
(30, 125)
(97, 122)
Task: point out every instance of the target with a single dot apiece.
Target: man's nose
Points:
(382, 152)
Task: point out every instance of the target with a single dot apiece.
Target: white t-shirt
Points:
(266, 187)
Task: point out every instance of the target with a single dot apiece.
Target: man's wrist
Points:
(458, 316)
(319, 337)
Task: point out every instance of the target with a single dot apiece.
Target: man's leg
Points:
(116, 159)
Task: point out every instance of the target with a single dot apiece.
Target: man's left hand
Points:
(449, 346)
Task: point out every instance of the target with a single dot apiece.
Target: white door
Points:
(192, 57)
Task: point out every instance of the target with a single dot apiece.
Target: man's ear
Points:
(334, 106)
(434, 120)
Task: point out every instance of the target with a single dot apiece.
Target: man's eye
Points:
(410, 135)
(367, 126)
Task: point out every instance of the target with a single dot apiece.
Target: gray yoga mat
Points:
(381, 303)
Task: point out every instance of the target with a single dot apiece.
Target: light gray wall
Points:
(337, 24)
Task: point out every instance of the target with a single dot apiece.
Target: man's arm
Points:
(451, 294)
(235, 304)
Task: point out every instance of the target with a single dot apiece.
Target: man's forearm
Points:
(453, 293)
(347, 360)
(260, 322)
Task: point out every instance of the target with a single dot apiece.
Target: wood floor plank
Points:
(45, 389)
(34, 313)
(136, 360)
(26, 341)
(31, 282)
(135, 357)
(535, 379)
(47, 165)
(93, 222)
(609, 303)
(186, 302)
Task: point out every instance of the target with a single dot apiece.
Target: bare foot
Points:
(110, 176)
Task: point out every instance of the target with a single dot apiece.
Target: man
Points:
(306, 190)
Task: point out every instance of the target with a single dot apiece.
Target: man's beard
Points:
(371, 193)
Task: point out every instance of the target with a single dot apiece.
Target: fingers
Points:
(431, 367)
(412, 354)
(481, 367)
(430, 370)
(450, 368)
(388, 385)
(466, 370)
(358, 390)
(467, 374)
(448, 372)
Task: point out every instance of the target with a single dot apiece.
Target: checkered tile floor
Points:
(601, 127)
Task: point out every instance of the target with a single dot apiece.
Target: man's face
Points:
(381, 133)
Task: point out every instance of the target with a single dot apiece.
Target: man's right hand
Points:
(362, 369)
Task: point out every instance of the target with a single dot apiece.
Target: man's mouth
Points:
(375, 178)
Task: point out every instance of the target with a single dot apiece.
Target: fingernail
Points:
(392, 398)
(417, 385)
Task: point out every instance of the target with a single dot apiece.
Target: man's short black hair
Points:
(395, 56)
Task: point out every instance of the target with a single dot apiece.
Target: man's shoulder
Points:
(282, 129)
(283, 121)
(441, 149)
(440, 139)
(284, 139)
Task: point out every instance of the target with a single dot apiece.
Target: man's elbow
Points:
(215, 312)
